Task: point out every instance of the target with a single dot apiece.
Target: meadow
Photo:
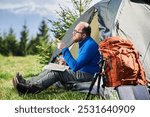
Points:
(29, 66)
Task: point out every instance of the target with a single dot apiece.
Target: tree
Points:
(31, 47)
(81, 5)
(44, 46)
(23, 41)
(46, 52)
(65, 20)
(43, 34)
(67, 17)
(1, 45)
(10, 43)
(41, 40)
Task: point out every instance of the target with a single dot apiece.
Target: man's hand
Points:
(61, 61)
(61, 45)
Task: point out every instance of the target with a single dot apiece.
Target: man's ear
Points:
(84, 35)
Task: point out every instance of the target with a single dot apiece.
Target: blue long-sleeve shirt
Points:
(88, 57)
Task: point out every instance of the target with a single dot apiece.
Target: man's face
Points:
(78, 35)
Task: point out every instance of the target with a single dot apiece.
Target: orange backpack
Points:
(122, 63)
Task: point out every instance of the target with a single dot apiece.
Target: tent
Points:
(126, 18)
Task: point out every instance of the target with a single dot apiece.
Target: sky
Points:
(15, 13)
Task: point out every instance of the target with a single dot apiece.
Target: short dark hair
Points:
(87, 30)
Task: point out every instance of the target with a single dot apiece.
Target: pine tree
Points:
(43, 32)
(10, 43)
(67, 17)
(23, 41)
(1, 45)
(31, 48)
(81, 6)
(44, 46)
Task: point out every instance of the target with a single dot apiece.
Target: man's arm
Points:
(84, 58)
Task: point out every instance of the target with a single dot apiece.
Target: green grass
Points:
(29, 66)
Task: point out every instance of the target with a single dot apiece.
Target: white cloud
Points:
(41, 7)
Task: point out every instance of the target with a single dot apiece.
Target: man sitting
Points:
(81, 69)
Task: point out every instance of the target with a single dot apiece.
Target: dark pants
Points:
(47, 78)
